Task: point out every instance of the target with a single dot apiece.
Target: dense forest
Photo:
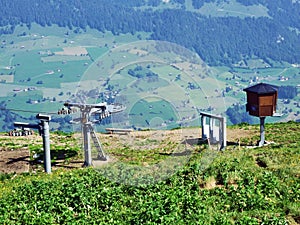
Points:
(218, 40)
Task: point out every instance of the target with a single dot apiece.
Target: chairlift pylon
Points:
(101, 111)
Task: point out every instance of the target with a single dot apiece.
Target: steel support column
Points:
(46, 144)
(87, 145)
(262, 131)
(43, 128)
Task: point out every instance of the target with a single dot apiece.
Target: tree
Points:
(237, 114)
(287, 92)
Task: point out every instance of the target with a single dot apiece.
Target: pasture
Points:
(185, 84)
(153, 113)
(229, 8)
(59, 63)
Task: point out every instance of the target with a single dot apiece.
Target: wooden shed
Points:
(261, 99)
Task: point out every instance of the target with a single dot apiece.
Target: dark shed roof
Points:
(262, 88)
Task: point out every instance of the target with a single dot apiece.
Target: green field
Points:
(60, 64)
(185, 85)
(228, 8)
(217, 8)
(153, 113)
(96, 52)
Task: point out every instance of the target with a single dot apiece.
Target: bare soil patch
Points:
(17, 161)
(15, 155)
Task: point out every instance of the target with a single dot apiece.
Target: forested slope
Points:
(218, 40)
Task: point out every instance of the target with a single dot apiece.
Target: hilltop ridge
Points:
(240, 185)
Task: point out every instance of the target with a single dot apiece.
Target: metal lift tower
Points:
(43, 128)
(100, 111)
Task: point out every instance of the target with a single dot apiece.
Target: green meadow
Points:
(59, 63)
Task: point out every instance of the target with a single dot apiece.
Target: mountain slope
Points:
(221, 37)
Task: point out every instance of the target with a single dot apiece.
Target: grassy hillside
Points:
(241, 185)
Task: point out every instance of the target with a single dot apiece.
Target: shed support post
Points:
(262, 131)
